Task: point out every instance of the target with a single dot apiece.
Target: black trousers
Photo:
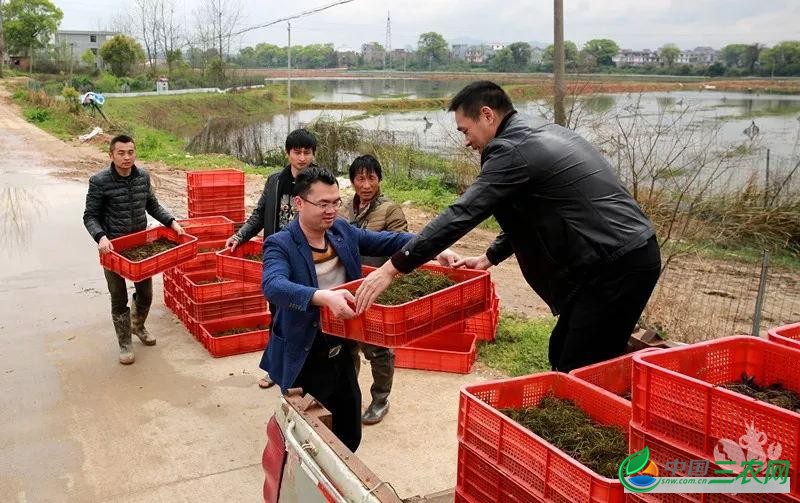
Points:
(333, 382)
(119, 292)
(596, 323)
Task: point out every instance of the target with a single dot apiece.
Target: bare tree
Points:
(221, 18)
(169, 31)
(145, 18)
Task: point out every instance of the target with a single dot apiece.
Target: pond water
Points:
(714, 121)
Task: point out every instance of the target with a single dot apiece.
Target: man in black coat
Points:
(116, 204)
(274, 209)
(582, 242)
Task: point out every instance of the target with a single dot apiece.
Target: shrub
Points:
(71, 96)
(37, 115)
(107, 83)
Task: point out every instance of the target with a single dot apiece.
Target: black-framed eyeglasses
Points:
(325, 206)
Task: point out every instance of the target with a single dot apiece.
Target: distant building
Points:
(76, 42)
(476, 54)
(398, 58)
(346, 56)
(537, 55)
(699, 56)
(458, 52)
(372, 53)
(627, 57)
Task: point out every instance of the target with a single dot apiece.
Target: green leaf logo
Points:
(637, 461)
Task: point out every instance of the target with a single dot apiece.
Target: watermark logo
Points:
(749, 466)
(637, 473)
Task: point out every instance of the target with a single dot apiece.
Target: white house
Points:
(76, 42)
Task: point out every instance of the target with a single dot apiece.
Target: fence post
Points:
(762, 284)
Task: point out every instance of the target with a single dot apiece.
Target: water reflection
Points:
(20, 210)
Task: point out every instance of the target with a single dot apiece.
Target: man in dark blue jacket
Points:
(314, 253)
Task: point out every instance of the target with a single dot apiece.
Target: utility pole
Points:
(558, 61)
(289, 77)
(71, 57)
(2, 41)
(387, 48)
(289, 47)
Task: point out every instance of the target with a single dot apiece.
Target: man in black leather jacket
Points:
(274, 209)
(116, 204)
(582, 242)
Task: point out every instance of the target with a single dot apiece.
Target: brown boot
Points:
(138, 317)
(122, 325)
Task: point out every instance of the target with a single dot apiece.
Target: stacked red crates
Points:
(680, 411)
(216, 192)
(499, 460)
(208, 304)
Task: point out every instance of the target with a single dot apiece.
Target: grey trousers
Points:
(381, 362)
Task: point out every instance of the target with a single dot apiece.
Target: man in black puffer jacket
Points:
(117, 202)
(582, 242)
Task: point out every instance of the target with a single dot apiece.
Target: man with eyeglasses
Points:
(274, 209)
(314, 253)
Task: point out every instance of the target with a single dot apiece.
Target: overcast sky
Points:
(633, 24)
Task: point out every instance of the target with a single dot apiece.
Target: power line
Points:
(289, 18)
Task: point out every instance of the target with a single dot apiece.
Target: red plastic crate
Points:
(443, 351)
(255, 340)
(211, 247)
(788, 335)
(676, 397)
(216, 291)
(218, 309)
(235, 215)
(394, 326)
(661, 452)
(216, 204)
(479, 481)
(214, 178)
(207, 229)
(526, 459)
(233, 265)
(203, 262)
(169, 301)
(149, 267)
(611, 375)
(484, 325)
(220, 191)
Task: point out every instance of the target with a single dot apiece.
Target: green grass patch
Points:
(427, 193)
(520, 347)
(186, 114)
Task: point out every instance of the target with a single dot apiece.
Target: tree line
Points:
(154, 39)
